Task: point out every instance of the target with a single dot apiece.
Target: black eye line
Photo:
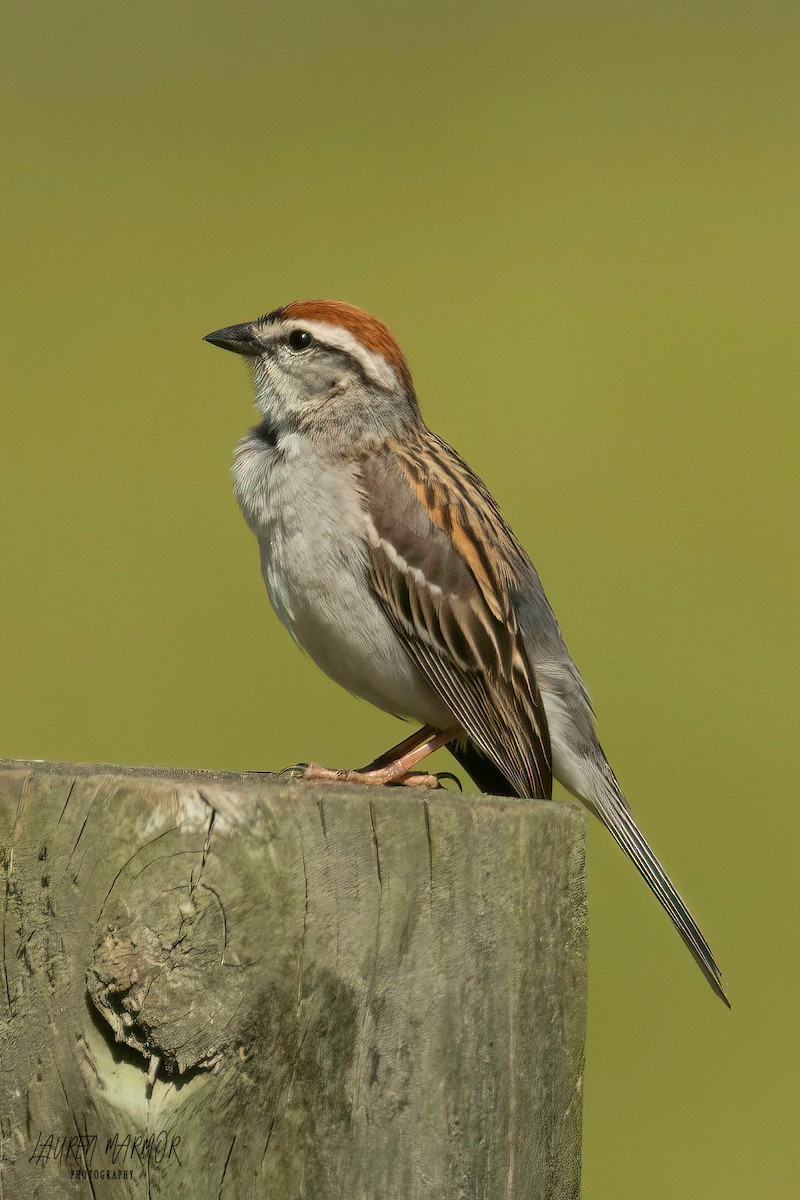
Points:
(339, 351)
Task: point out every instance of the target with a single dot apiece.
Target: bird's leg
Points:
(409, 744)
(393, 767)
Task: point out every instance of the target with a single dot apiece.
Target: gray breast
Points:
(307, 517)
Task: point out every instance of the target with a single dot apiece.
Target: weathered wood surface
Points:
(338, 993)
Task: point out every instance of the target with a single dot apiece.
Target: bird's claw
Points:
(316, 774)
(440, 775)
(297, 771)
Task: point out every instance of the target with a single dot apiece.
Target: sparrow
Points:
(389, 562)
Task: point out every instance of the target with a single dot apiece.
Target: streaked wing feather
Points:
(431, 527)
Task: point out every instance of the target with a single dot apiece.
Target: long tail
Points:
(612, 809)
(608, 802)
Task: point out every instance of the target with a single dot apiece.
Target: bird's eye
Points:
(300, 339)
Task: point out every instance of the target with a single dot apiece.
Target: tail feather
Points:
(607, 801)
(613, 810)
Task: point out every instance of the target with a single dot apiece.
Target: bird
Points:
(388, 560)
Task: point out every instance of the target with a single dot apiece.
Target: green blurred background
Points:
(581, 221)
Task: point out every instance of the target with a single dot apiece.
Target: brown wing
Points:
(432, 526)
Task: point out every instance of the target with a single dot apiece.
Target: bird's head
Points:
(326, 368)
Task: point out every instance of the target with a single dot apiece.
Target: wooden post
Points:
(227, 986)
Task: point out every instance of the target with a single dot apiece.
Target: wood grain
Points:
(292, 990)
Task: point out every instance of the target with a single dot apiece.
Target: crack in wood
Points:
(375, 843)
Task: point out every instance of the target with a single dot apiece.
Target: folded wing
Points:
(448, 597)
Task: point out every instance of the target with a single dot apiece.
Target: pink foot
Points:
(384, 777)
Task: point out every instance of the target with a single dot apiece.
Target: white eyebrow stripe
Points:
(374, 365)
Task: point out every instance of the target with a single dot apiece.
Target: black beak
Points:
(238, 338)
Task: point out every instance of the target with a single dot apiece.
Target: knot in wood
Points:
(158, 974)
